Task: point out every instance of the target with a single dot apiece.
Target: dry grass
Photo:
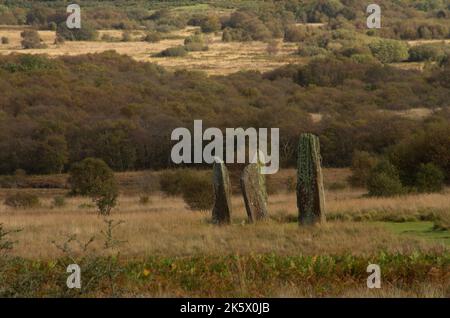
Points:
(166, 227)
(221, 58)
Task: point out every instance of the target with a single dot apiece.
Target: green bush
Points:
(429, 178)
(382, 185)
(85, 33)
(389, 51)
(92, 177)
(197, 191)
(194, 186)
(427, 52)
(22, 200)
(384, 180)
(310, 50)
(59, 201)
(176, 51)
(171, 182)
(362, 165)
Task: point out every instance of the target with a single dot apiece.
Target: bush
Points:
(196, 47)
(362, 165)
(429, 178)
(194, 186)
(197, 191)
(389, 51)
(31, 40)
(384, 180)
(171, 181)
(59, 201)
(382, 185)
(92, 177)
(22, 200)
(310, 50)
(152, 37)
(210, 24)
(5, 40)
(421, 53)
(86, 33)
(176, 51)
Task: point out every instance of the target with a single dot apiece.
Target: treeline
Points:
(54, 112)
(242, 20)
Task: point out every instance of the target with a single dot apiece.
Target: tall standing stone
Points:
(253, 186)
(310, 191)
(221, 213)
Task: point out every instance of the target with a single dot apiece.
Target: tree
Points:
(92, 177)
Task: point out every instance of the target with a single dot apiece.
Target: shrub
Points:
(195, 42)
(337, 186)
(92, 177)
(196, 47)
(144, 199)
(126, 36)
(421, 53)
(31, 40)
(429, 178)
(85, 33)
(384, 180)
(171, 182)
(382, 185)
(59, 201)
(310, 50)
(22, 200)
(176, 51)
(194, 186)
(5, 40)
(210, 24)
(389, 51)
(362, 165)
(152, 37)
(197, 191)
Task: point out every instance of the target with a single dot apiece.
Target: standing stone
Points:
(221, 213)
(310, 191)
(253, 186)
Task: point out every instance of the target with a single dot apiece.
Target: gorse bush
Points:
(85, 33)
(92, 177)
(362, 165)
(389, 51)
(429, 178)
(176, 51)
(384, 180)
(152, 37)
(197, 191)
(31, 40)
(194, 186)
(59, 201)
(22, 200)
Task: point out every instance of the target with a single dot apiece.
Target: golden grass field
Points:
(165, 226)
(221, 58)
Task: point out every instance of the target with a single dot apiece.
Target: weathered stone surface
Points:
(254, 190)
(221, 213)
(310, 191)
